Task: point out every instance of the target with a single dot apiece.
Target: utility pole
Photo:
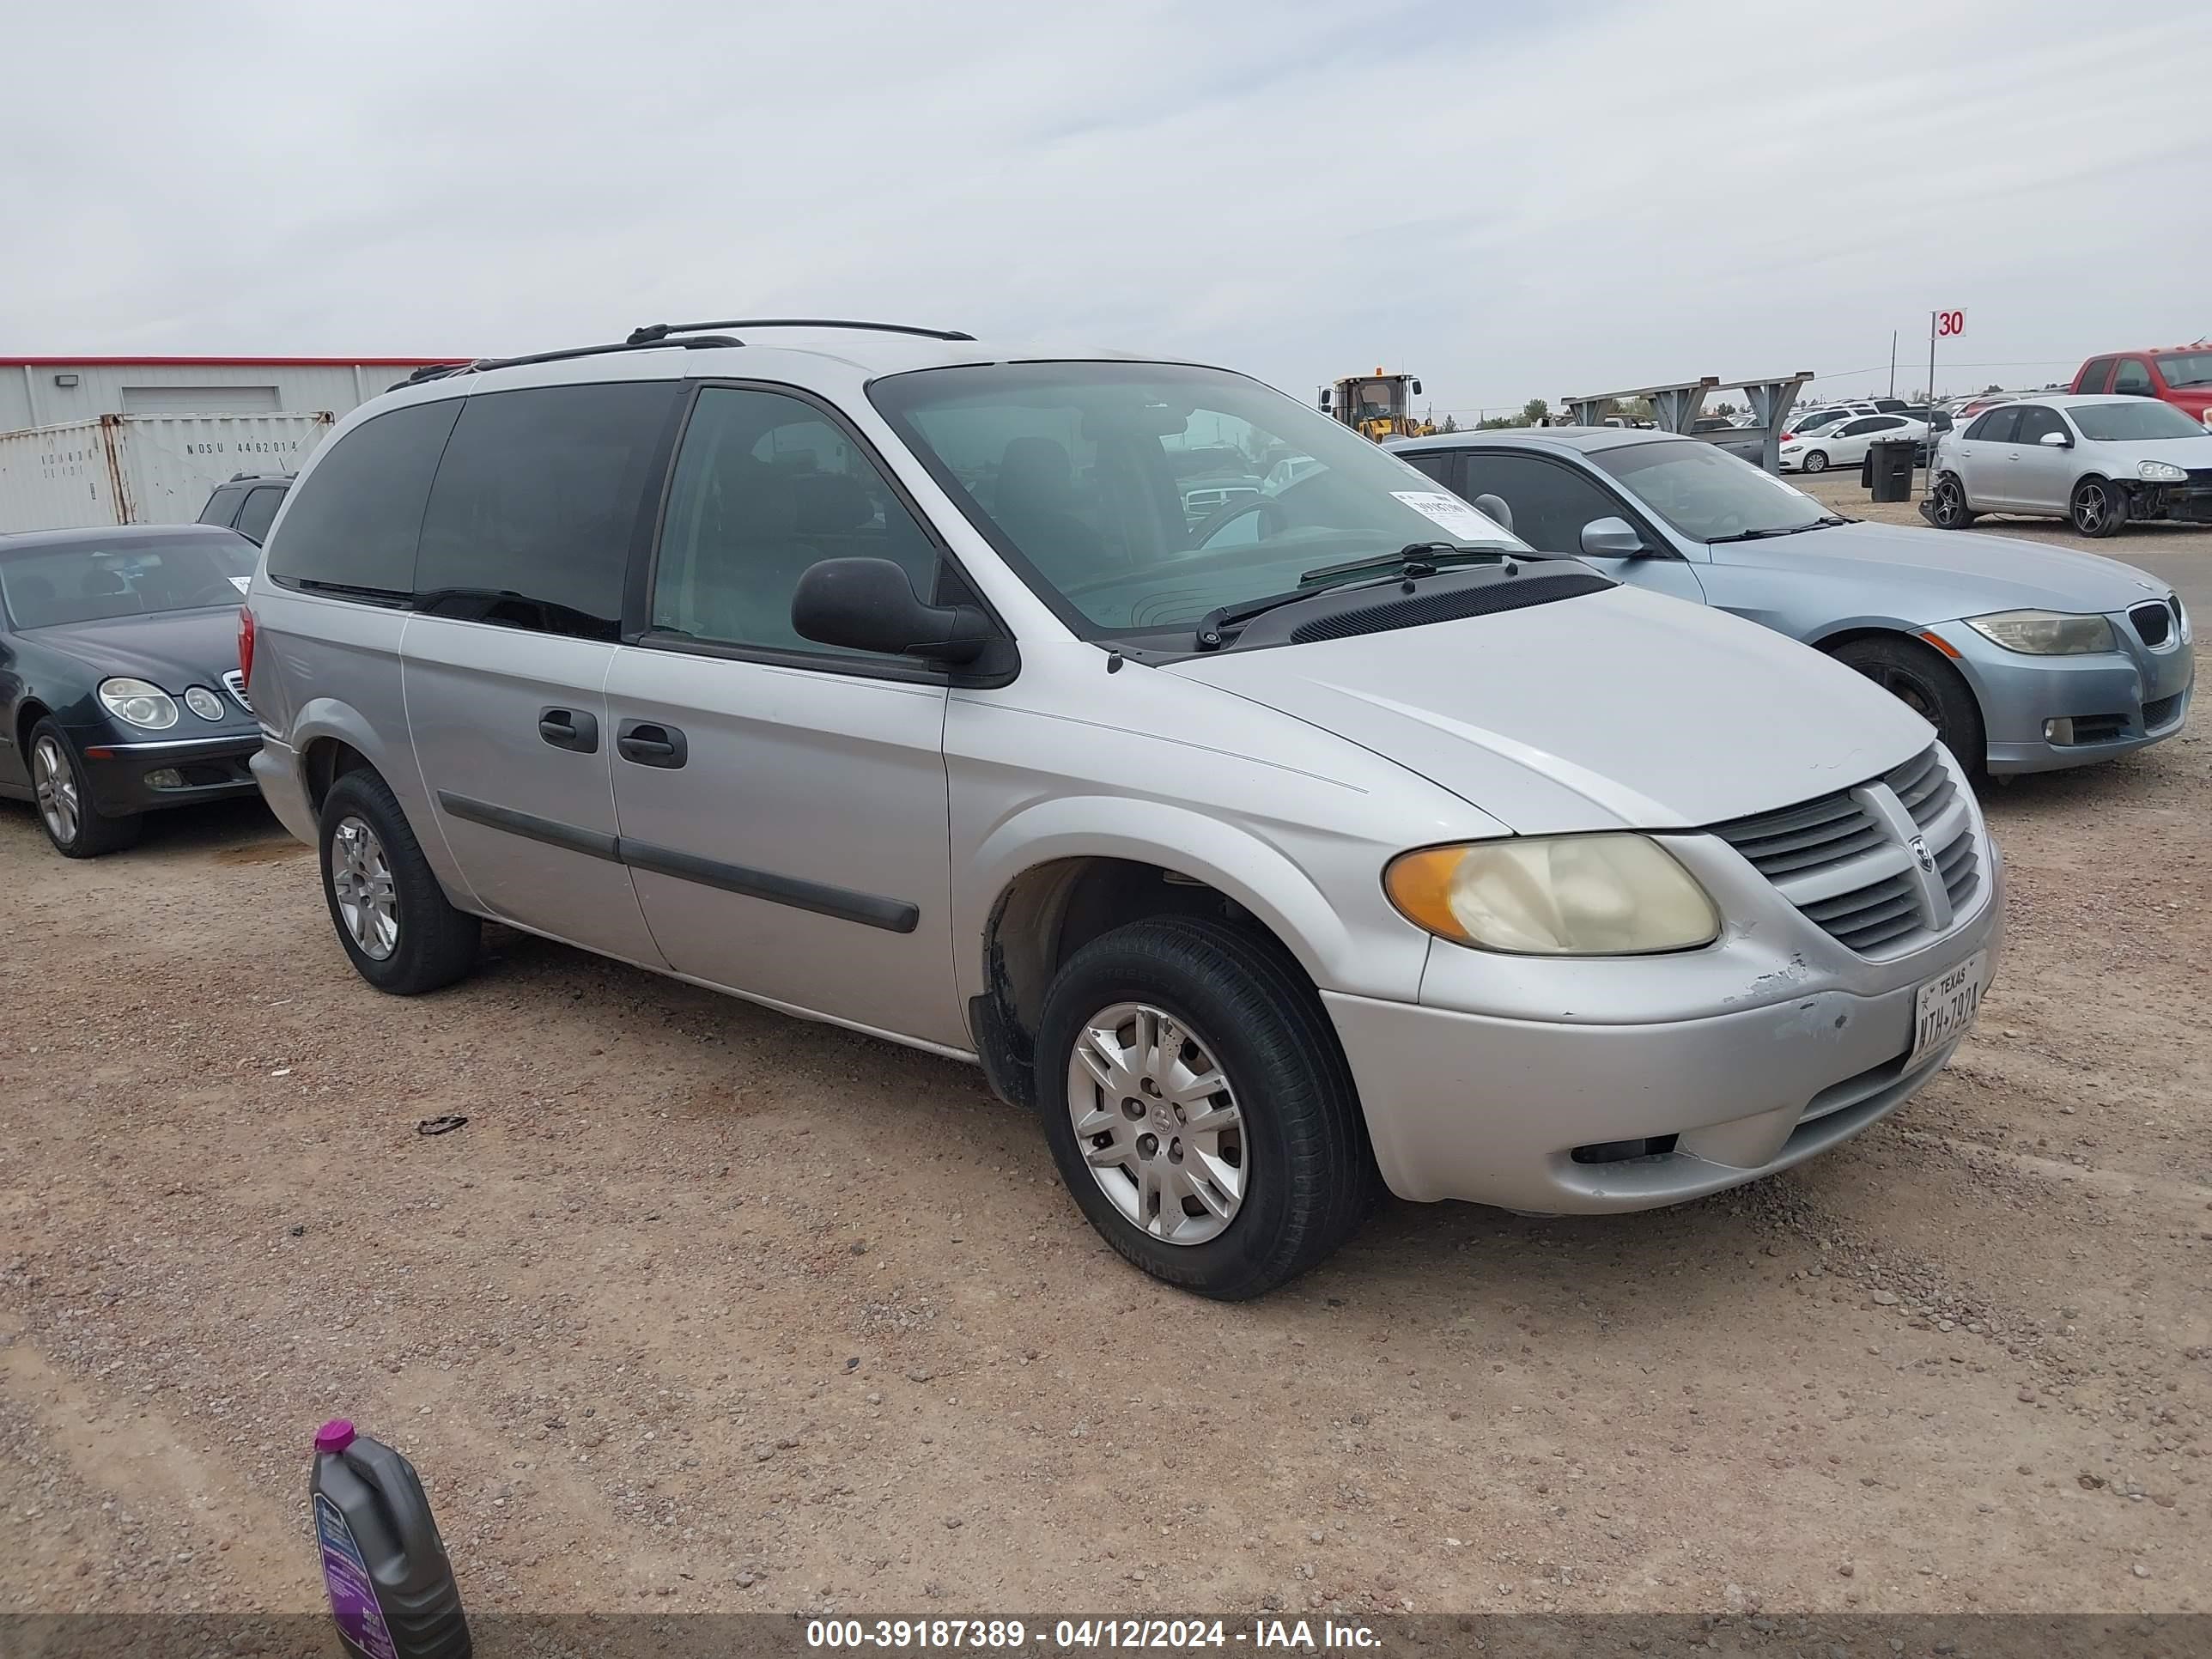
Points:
(1892, 363)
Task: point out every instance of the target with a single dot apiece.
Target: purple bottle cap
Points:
(334, 1435)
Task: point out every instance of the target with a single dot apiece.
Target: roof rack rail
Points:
(484, 365)
(653, 333)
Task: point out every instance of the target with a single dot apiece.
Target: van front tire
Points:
(391, 917)
(1199, 1106)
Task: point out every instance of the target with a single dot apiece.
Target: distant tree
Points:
(1536, 412)
(1991, 387)
(1499, 423)
(1451, 424)
(1723, 411)
(1637, 409)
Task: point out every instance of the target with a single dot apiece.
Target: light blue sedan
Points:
(2023, 656)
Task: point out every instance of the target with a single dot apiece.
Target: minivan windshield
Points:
(86, 581)
(2133, 421)
(1138, 497)
(1707, 494)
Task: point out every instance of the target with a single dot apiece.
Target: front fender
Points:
(1358, 942)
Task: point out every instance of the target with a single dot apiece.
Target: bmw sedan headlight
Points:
(139, 701)
(1558, 895)
(2161, 473)
(2044, 633)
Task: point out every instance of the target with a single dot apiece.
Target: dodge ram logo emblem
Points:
(1927, 859)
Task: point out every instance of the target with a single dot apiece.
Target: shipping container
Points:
(60, 390)
(140, 469)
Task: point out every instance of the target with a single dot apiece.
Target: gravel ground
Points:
(705, 1308)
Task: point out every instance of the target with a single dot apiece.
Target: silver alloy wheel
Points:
(2089, 507)
(360, 880)
(1817, 461)
(1157, 1122)
(1950, 500)
(55, 782)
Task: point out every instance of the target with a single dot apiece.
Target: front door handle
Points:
(648, 743)
(565, 728)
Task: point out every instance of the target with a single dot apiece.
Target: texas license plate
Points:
(1945, 1007)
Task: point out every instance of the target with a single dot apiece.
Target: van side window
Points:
(1442, 465)
(259, 512)
(766, 486)
(538, 502)
(354, 528)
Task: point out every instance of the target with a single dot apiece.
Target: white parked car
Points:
(1844, 443)
(2095, 461)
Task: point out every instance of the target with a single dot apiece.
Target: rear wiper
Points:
(1415, 559)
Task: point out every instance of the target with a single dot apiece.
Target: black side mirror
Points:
(868, 604)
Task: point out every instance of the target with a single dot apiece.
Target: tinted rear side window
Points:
(260, 513)
(354, 528)
(538, 502)
(222, 505)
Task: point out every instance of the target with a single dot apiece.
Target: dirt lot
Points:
(708, 1307)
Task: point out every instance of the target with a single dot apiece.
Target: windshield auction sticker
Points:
(1453, 514)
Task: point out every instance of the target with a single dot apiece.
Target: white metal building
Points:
(54, 391)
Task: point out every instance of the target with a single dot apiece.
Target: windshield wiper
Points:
(1413, 559)
(1782, 530)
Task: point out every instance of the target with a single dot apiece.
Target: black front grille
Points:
(1507, 594)
(2158, 712)
(2153, 622)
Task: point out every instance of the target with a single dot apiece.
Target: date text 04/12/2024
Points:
(1086, 1635)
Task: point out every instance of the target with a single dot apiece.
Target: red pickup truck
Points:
(2180, 375)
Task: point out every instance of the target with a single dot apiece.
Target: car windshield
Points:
(1707, 492)
(2187, 369)
(2136, 419)
(77, 581)
(1136, 497)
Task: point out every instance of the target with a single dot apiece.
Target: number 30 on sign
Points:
(1950, 322)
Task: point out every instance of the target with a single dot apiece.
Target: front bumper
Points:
(133, 776)
(1490, 1110)
(2115, 701)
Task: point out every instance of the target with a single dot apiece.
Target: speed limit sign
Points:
(1948, 323)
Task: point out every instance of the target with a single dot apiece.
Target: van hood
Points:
(1621, 709)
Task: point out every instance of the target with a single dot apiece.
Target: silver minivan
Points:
(1329, 841)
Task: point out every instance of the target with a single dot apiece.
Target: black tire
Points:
(1947, 503)
(435, 944)
(1816, 461)
(1309, 1174)
(85, 834)
(1917, 677)
(2097, 508)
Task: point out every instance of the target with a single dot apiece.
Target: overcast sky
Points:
(1515, 200)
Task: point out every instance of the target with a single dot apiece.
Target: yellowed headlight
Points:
(1568, 895)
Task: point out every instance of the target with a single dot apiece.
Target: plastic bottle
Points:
(390, 1585)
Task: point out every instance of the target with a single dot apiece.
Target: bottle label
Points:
(345, 1575)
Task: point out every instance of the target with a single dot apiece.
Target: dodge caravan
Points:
(1329, 841)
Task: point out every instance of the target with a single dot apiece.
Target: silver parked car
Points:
(2095, 462)
(2025, 656)
(881, 678)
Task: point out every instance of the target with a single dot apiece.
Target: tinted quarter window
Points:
(2097, 377)
(1997, 426)
(360, 511)
(2132, 378)
(259, 512)
(1550, 503)
(766, 487)
(537, 504)
(2034, 421)
(1437, 463)
(222, 506)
